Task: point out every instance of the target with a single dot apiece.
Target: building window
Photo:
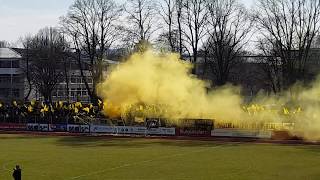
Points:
(78, 91)
(73, 79)
(16, 93)
(61, 93)
(73, 92)
(17, 79)
(84, 92)
(5, 64)
(54, 93)
(15, 64)
(5, 79)
(90, 81)
(76, 80)
(4, 92)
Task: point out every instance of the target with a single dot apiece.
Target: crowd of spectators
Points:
(41, 112)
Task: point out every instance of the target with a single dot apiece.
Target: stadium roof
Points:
(7, 53)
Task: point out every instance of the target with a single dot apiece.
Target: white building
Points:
(14, 86)
(11, 75)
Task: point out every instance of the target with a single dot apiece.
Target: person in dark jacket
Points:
(17, 173)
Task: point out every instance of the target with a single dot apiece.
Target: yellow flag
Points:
(51, 108)
(78, 104)
(286, 111)
(99, 102)
(299, 110)
(44, 109)
(86, 109)
(30, 109)
(33, 102)
(70, 106)
(60, 104)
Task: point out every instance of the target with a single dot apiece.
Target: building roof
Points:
(110, 61)
(85, 59)
(8, 53)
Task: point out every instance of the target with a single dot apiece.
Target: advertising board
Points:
(241, 133)
(37, 127)
(58, 127)
(13, 126)
(75, 128)
(193, 132)
(131, 130)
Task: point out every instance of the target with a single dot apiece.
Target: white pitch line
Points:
(140, 162)
(4, 166)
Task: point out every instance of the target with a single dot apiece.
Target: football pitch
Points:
(93, 158)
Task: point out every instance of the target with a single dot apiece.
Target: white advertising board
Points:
(43, 127)
(78, 128)
(131, 130)
(37, 127)
(161, 131)
(102, 129)
(32, 126)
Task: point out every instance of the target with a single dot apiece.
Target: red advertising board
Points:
(13, 126)
(193, 132)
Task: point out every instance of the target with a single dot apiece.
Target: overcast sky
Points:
(21, 17)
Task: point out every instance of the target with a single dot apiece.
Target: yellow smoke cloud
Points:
(151, 84)
(163, 85)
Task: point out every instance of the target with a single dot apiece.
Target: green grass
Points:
(83, 158)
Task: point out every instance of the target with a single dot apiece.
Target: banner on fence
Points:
(241, 133)
(75, 128)
(131, 130)
(193, 132)
(162, 131)
(13, 126)
(78, 128)
(102, 129)
(37, 127)
(58, 127)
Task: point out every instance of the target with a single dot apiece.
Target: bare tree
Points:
(4, 44)
(92, 27)
(27, 44)
(67, 59)
(228, 30)
(195, 21)
(141, 20)
(168, 15)
(48, 48)
(270, 64)
(290, 26)
(169, 41)
(179, 8)
(173, 14)
(316, 42)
